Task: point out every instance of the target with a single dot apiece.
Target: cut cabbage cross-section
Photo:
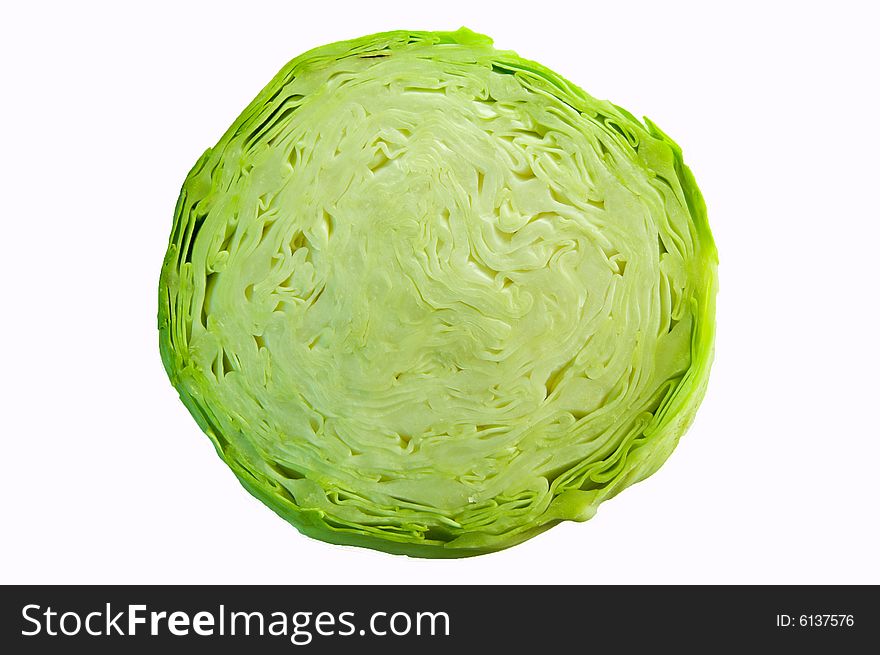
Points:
(429, 297)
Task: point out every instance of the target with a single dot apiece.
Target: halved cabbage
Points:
(429, 297)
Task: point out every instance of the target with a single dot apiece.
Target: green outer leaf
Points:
(574, 493)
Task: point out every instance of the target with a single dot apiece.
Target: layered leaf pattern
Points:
(429, 297)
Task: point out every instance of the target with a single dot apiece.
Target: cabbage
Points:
(428, 297)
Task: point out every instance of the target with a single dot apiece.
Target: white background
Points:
(105, 477)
